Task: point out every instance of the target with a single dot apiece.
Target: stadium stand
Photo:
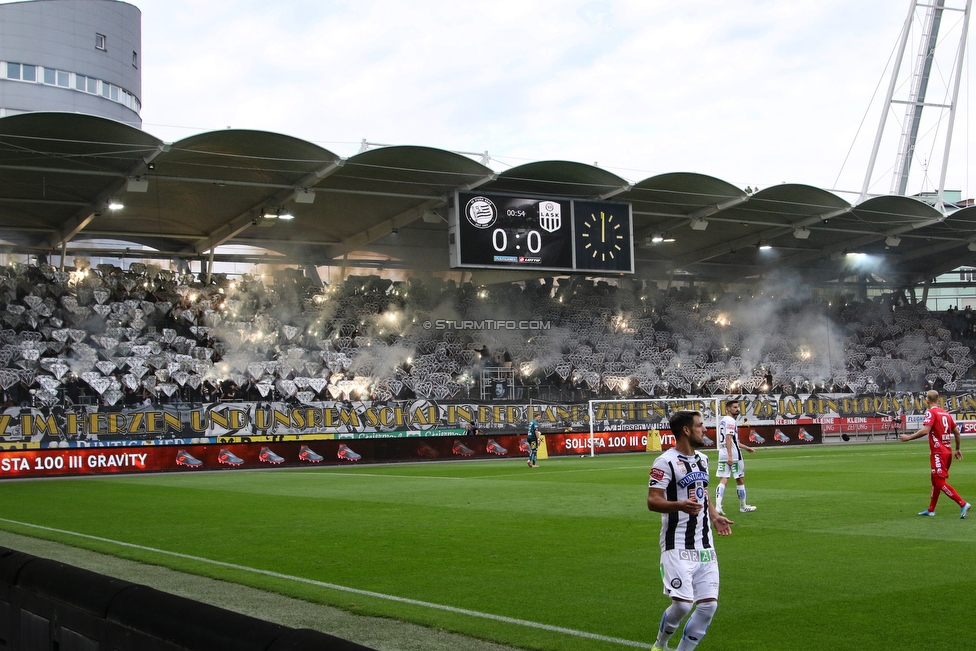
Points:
(111, 336)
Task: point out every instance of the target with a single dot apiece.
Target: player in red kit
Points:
(940, 428)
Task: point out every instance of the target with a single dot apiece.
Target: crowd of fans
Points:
(144, 335)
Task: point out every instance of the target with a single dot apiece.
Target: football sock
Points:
(936, 490)
(741, 492)
(697, 625)
(719, 494)
(939, 485)
(671, 620)
(951, 492)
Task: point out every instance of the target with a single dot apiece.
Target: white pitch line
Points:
(342, 588)
(550, 473)
(375, 474)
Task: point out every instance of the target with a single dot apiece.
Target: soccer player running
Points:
(730, 462)
(678, 490)
(532, 438)
(938, 425)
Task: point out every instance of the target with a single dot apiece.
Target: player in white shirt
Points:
(730, 462)
(678, 490)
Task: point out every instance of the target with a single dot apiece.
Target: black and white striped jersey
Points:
(682, 477)
(728, 430)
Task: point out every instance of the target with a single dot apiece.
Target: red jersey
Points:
(940, 426)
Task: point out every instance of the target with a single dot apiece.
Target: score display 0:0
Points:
(503, 245)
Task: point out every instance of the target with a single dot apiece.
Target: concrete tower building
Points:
(79, 56)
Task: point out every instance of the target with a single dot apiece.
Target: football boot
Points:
(184, 458)
(306, 454)
(228, 457)
(346, 454)
(494, 448)
(461, 449)
(267, 456)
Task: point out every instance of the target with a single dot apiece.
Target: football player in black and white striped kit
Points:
(730, 463)
(678, 490)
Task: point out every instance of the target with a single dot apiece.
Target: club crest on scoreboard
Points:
(481, 212)
(550, 216)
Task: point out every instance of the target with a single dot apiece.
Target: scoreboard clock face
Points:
(509, 232)
(604, 237)
(514, 232)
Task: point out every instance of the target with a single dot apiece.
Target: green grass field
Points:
(835, 557)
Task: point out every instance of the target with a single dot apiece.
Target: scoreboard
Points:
(494, 231)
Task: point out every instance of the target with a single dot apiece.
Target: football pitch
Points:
(561, 557)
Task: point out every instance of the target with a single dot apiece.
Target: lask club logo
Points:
(550, 216)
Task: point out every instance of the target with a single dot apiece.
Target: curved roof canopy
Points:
(59, 172)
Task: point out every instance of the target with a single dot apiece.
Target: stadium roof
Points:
(58, 172)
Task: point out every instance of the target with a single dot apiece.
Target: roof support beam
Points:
(841, 247)
(215, 181)
(225, 232)
(612, 193)
(715, 208)
(856, 243)
(42, 202)
(58, 170)
(681, 220)
(938, 247)
(966, 258)
(385, 227)
(364, 237)
(82, 218)
(250, 216)
(748, 240)
(291, 187)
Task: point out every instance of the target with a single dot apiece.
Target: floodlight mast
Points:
(960, 58)
(913, 110)
(916, 101)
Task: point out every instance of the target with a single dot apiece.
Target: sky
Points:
(754, 92)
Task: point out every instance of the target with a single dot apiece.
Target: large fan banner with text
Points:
(35, 428)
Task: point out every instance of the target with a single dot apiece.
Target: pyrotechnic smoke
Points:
(147, 329)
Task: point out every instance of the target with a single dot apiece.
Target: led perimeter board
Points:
(494, 231)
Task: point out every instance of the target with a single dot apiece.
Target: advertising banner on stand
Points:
(23, 428)
(233, 453)
(780, 435)
(230, 456)
(579, 442)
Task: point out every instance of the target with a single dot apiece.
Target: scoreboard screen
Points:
(604, 238)
(511, 232)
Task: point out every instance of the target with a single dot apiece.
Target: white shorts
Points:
(736, 469)
(690, 574)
